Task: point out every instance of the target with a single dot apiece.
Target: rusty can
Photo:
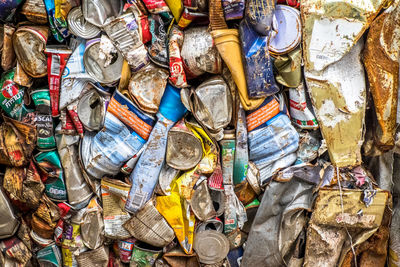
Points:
(35, 11)
(7, 56)
(288, 28)
(211, 246)
(184, 149)
(92, 107)
(79, 26)
(125, 249)
(29, 44)
(146, 87)
(98, 66)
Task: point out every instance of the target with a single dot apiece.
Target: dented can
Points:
(125, 249)
(79, 26)
(98, 66)
(8, 221)
(100, 12)
(29, 44)
(184, 149)
(91, 109)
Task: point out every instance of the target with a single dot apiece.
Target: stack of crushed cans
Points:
(192, 133)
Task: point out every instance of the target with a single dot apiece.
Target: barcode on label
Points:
(138, 199)
(55, 65)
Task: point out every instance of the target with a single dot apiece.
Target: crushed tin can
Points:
(102, 68)
(199, 54)
(7, 55)
(100, 12)
(91, 109)
(211, 246)
(146, 87)
(184, 148)
(35, 11)
(79, 26)
(124, 31)
(125, 249)
(144, 255)
(154, 231)
(29, 44)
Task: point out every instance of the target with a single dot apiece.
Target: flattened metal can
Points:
(35, 11)
(211, 246)
(29, 44)
(79, 26)
(199, 53)
(184, 149)
(98, 67)
(146, 87)
(92, 107)
(144, 255)
(100, 12)
(49, 256)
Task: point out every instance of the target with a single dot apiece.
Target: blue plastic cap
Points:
(171, 106)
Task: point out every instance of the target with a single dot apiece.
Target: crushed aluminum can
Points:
(177, 73)
(144, 255)
(29, 44)
(149, 226)
(167, 175)
(158, 50)
(271, 137)
(114, 194)
(211, 246)
(92, 225)
(100, 12)
(49, 256)
(44, 219)
(289, 30)
(211, 224)
(97, 257)
(125, 35)
(7, 55)
(125, 135)
(128, 167)
(201, 202)
(78, 191)
(146, 87)
(301, 111)
(91, 109)
(125, 249)
(8, 221)
(35, 11)
(258, 65)
(184, 148)
(102, 69)
(233, 9)
(199, 53)
(14, 248)
(79, 26)
(177, 257)
(211, 91)
(21, 78)
(381, 62)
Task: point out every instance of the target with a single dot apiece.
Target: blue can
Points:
(258, 65)
(235, 257)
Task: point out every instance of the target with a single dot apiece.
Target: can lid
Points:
(289, 30)
(211, 246)
(79, 26)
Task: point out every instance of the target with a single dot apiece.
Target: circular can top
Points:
(211, 246)
(96, 67)
(289, 30)
(79, 26)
